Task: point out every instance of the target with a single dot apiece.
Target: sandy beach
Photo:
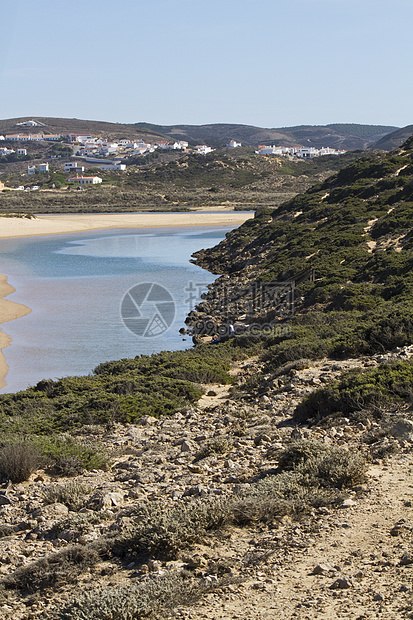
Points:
(78, 222)
(13, 227)
(9, 311)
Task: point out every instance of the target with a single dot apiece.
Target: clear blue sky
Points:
(269, 63)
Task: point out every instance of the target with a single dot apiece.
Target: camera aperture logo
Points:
(148, 310)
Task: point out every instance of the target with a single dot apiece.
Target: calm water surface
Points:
(74, 285)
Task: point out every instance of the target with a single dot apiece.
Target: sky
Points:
(269, 63)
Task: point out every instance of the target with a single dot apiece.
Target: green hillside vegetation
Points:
(394, 139)
(362, 131)
(48, 417)
(354, 229)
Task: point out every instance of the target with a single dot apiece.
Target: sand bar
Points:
(9, 310)
(78, 222)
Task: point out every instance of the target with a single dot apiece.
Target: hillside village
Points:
(107, 154)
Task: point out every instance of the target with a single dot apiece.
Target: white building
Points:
(233, 144)
(15, 137)
(74, 165)
(117, 166)
(85, 180)
(4, 151)
(203, 149)
(29, 124)
(176, 146)
(269, 150)
(21, 151)
(40, 168)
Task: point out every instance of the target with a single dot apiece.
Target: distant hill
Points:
(394, 139)
(345, 136)
(113, 131)
(340, 136)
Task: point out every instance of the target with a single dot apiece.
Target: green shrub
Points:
(388, 385)
(323, 465)
(73, 494)
(300, 452)
(56, 569)
(216, 445)
(155, 595)
(18, 460)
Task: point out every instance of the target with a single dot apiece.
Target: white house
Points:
(17, 137)
(21, 151)
(52, 137)
(233, 144)
(269, 150)
(203, 149)
(176, 146)
(30, 124)
(307, 152)
(5, 151)
(85, 180)
(73, 165)
(40, 168)
(1, 137)
(117, 166)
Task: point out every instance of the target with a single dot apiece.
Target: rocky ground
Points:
(354, 561)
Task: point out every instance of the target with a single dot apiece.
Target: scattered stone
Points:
(348, 503)
(146, 420)
(322, 569)
(5, 500)
(154, 566)
(342, 583)
(406, 559)
(403, 430)
(188, 446)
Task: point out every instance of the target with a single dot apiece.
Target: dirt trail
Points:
(363, 545)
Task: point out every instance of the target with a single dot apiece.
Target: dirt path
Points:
(362, 545)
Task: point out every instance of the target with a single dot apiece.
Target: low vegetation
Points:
(167, 181)
(383, 388)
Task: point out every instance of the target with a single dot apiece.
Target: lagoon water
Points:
(74, 285)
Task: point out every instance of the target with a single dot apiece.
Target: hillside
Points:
(394, 139)
(170, 180)
(267, 476)
(338, 136)
(50, 125)
(353, 229)
(344, 136)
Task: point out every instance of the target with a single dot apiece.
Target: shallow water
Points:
(75, 284)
